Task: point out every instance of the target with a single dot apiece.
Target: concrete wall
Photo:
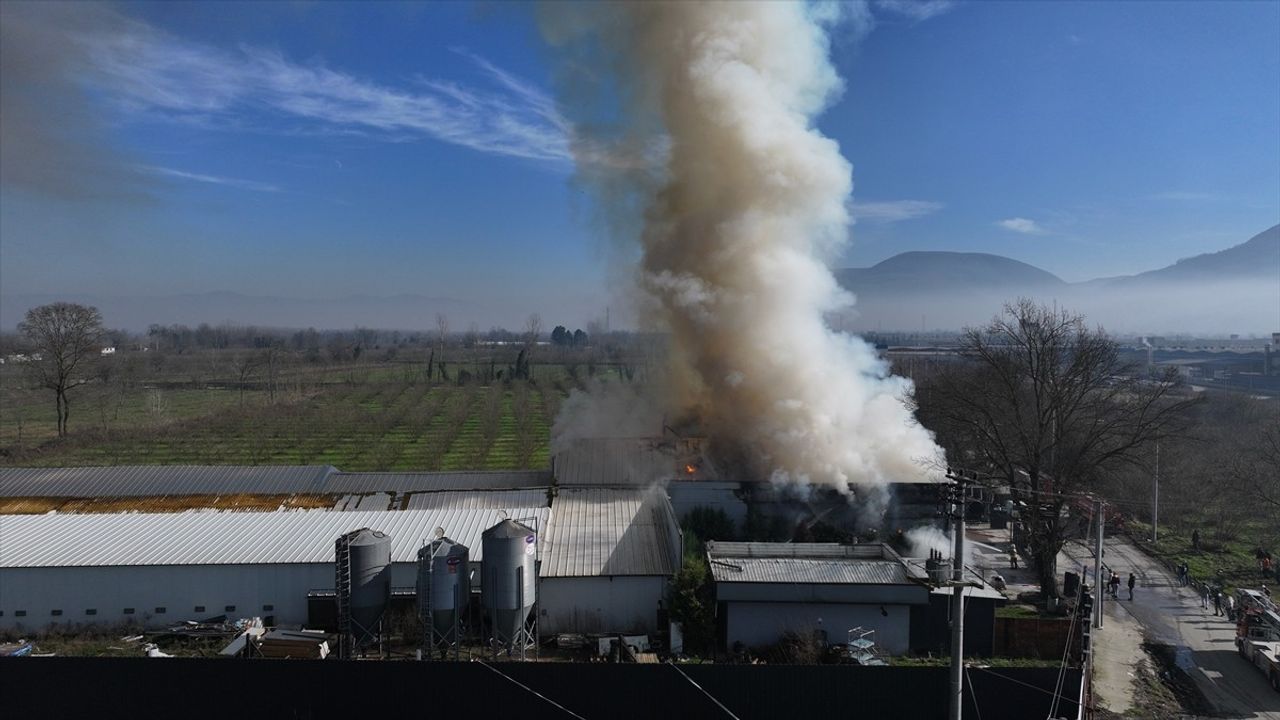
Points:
(763, 623)
(600, 604)
(179, 589)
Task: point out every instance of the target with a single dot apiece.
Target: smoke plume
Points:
(701, 143)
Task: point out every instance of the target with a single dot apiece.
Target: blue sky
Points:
(324, 150)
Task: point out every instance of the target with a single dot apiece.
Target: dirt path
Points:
(1204, 644)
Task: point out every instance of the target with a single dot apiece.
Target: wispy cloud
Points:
(916, 10)
(212, 179)
(1181, 196)
(1022, 225)
(149, 72)
(889, 211)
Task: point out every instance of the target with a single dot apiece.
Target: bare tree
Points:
(64, 336)
(1048, 405)
(442, 330)
(1256, 467)
(272, 357)
(532, 329)
(245, 365)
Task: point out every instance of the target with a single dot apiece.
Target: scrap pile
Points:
(307, 644)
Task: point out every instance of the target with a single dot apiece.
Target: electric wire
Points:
(972, 693)
(1033, 687)
(1071, 629)
(711, 697)
(566, 710)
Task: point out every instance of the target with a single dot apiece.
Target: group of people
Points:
(1113, 585)
(1184, 573)
(1223, 603)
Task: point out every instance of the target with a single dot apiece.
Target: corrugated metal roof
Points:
(477, 500)
(601, 532)
(205, 538)
(864, 551)
(621, 462)
(344, 482)
(795, 570)
(148, 480)
(808, 563)
(446, 500)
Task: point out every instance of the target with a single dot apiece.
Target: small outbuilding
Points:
(766, 590)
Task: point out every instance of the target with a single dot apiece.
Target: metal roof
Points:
(808, 563)
(154, 480)
(448, 500)
(345, 482)
(602, 532)
(620, 462)
(477, 499)
(215, 538)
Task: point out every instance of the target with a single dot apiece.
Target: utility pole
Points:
(956, 697)
(1155, 497)
(1097, 566)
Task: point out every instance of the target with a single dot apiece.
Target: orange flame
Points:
(690, 469)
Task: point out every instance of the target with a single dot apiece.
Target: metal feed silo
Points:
(363, 583)
(508, 582)
(444, 591)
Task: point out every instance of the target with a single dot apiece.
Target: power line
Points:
(566, 710)
(1033, 687)
(969, 679)
(713, 699)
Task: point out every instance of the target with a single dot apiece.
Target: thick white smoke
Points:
(742, 203)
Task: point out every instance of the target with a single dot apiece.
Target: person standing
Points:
(1133, 580)
(1204, 597)
(1217, 602)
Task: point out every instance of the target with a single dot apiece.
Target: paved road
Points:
(1206, 644)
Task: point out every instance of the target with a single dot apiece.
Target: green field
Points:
(378, 421)
(1227, 556)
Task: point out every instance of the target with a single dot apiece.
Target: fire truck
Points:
(1258, 633)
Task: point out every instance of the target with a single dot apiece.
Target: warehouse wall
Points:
(600, 604)
(763, 623)
(685, 496)
(179, 589)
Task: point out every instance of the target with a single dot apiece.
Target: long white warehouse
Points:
(157, 569)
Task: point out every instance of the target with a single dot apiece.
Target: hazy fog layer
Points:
(1220, 308)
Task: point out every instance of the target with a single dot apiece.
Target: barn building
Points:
(610, 554)
(156, 569)
(766, 590)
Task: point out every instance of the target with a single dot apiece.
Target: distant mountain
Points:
(1258, 257)
(1232, 290)
(950, 271)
